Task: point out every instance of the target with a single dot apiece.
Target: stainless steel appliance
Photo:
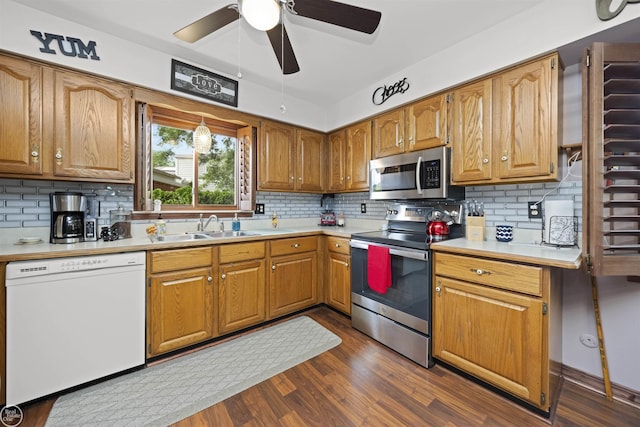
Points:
(67, 217)
(72, 320)
(400, 317)
(415, 175)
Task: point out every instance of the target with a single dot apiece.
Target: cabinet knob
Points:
(480, 271)
(292, 178)
(504, 158)
(346, 264)
(348, 177)
(438, 289)
(337, 245)
(273, 267)
(295, 245)
(34, 154)
(299, 178)
(59, 156)
(485, 160)
(224, 276)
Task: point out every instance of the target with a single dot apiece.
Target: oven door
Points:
(408, 300)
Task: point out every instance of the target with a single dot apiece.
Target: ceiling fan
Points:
(340, 14)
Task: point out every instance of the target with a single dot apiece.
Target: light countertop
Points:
(531, 253)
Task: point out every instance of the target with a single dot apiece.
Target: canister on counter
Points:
(121, 221)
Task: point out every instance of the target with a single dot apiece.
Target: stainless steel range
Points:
(398, 314)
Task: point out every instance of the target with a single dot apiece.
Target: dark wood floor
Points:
(362, 383)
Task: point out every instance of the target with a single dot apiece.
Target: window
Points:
(185, 180)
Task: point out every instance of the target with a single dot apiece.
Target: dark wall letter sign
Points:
(603, 8)
(68, 46)
(385, 92)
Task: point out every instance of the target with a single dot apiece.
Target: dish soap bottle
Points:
(274, 219)
(235, 224)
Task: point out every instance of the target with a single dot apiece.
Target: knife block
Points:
(475, 226)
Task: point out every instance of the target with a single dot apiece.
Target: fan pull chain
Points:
(239, 32)
(283, 108)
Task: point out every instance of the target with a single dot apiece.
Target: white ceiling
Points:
(334, 62)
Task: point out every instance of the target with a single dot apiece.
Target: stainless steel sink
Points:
(218, 234)
(182, 237)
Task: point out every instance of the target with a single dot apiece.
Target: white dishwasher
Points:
(72, 320)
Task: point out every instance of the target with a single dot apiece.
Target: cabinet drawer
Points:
(180, 259)
(514, 277)
(294, 245)
(241, 252)
(338, 244)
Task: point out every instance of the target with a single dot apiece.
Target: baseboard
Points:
(591, 382)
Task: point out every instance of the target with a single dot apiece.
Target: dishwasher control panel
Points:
(63, 265)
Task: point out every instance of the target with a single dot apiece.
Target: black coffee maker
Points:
(67, 217)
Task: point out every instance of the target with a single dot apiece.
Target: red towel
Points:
(379, 268)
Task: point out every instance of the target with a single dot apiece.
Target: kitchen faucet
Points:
(202, 225)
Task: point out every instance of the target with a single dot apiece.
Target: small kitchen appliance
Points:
(67, 217)
(328, 218)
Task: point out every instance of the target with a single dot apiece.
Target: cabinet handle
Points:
(348, 177)
(438, 289)
(479, 271)
(59, 156)
(346, 264)
(299, 178)
(295, 245)
(341, 178)
(485, 160)
(35, 153)
(273, 267)
(224, 276)
(504, 158)
(293, 178)
(337, 245)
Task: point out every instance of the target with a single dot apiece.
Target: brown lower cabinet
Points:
(338, 274)
(180, 299)
(293, 279)
(499, 322)
(242, 286)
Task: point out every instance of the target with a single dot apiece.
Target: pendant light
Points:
(202, 138)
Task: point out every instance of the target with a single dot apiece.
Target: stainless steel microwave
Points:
(416, 175)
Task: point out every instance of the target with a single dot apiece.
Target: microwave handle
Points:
(418, 187)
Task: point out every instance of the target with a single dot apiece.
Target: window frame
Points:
(180, 112)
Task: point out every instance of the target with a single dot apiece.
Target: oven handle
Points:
(393, 250)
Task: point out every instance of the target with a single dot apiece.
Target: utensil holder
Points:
(475, 226)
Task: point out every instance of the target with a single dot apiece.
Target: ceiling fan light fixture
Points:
(262, 15)
(202, 138)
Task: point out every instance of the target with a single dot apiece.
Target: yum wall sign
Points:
(66, 45)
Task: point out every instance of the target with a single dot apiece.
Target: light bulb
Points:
(262, 15)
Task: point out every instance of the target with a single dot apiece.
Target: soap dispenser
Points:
(235, 224)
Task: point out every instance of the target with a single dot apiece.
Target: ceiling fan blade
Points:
(290, 61)
(341, 14)
(208, 24)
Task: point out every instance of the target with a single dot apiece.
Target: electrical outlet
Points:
(259, 208)
(363, 208)
(535, 210)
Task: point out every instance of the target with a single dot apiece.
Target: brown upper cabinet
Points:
(349, 152)
(421, 125)
(63, 125)
(505, 128)
(290, 159)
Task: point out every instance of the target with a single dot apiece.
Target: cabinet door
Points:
(20, 117)
(492, 334)
(93, 128)
(309, 161)
(427, 123)
(292, 283)
(276, 157)
(180, 309)
(471, 133)
(339, 286)
(241, 295)
(388, 134)
(358, 156)
(527, 120)
(337, 162)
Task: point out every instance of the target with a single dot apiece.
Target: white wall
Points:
(544, 28)
(124, 60)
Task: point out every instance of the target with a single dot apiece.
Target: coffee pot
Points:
(67, 217)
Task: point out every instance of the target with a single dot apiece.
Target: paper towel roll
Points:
(560, 232)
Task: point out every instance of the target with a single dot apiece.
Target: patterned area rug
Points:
(171, 391)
